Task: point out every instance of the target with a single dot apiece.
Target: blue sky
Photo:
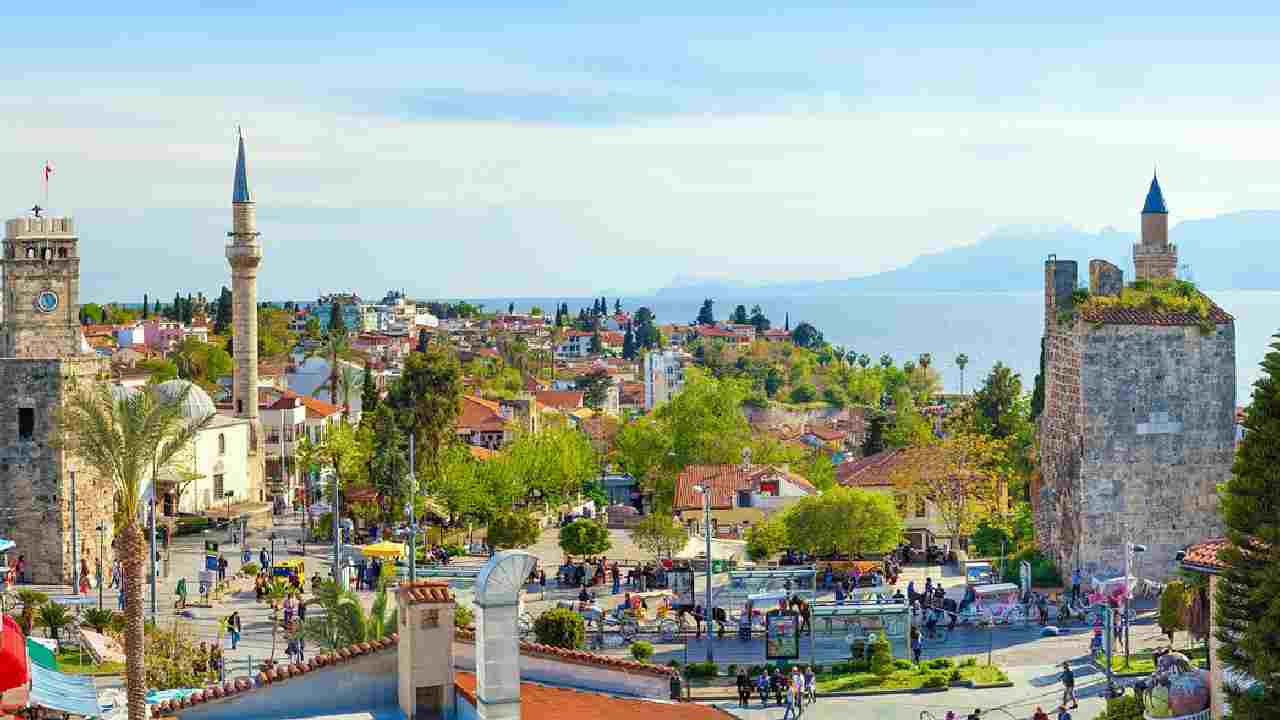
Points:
(491, 149)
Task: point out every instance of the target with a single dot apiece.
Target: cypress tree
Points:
(146, 304)
(368, 394)
(1245, 606)
(629, 344)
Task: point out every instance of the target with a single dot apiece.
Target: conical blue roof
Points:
(1153, 205)
(240, 190)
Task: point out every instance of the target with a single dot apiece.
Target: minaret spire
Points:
(240, 188)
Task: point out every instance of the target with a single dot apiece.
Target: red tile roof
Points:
(1204, 555)
(542, 702)
(579, 657)
(725, 481)
(425, 592)
(829, 434)
(479, 415)
(871, 471)
(1121, 315)
(480, 453)
(560, 399)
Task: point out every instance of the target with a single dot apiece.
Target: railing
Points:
(1202, 715)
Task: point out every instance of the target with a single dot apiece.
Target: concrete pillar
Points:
(497, 594)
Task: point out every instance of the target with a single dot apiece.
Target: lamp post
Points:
(272, 556)
(102, 529)
(706, 532)
(75, 556)
(413, 521)
(1129, 550)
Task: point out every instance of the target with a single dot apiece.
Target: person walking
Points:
(1075, 586)
(917, 646)
(1063, 714)
(1039, 714)
(1068, 686)
(262, 559)
(744, 689)
(811, 683)
(797, 689)
(788, 701)
(776, 682)
(762, 688)
(617, 578)
(233, 623)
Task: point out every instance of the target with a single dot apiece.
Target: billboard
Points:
(682, 586)
(782, 635)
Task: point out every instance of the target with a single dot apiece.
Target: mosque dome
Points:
(120, 392)
(196, 406)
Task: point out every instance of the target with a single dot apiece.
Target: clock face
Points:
(47, 301)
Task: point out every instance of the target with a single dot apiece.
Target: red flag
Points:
(48, 170)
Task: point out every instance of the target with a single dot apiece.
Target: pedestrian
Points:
(788, 700)
(181, 592)
(120, 598)
(84, 576)
(262, 559)
(697, 620)
(1068, 686)
(975, 715)
(811, 683)
(1075, 586)
(744, 689)
(233, 622)
(776, 685)
(222, 567)
(1039, 714)
(1063, 714)
(288, 610)
(762, 687)
(617, 578)
(20, 569)
(302, 610)
(916, 647)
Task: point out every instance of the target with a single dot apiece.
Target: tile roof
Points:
(543, 702)
(560, 399)
(425, 592)
(280, 673)
(579, 657)
(1204, 555)
(1121, 315)
(478, 414)
(725, 481)
(827, 433)
(871, 471)
(480, 453)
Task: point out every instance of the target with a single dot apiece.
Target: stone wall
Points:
(35, 473)
(1159, 435)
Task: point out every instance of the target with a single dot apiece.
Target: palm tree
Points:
(54, 617)
(128, 439)
(343, 621)
(961, 361)
(31, 601)
(99, 619)
(864, 360)
(335, 348)
(274, 592)
(926, 359)
(306, 455)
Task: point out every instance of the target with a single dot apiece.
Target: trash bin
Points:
(717, 566)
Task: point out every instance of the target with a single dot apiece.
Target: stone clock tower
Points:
(43, 359)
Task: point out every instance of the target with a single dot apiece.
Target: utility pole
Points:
(337, 535)
(75, 556)
(152, 559)
(101, 530)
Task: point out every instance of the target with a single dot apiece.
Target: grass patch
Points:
(1164, 294)
(938, 672)
(1143, 662)
(72, 662)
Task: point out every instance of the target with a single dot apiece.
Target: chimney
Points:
(497, 593)
(425, 650)
(1105, 278)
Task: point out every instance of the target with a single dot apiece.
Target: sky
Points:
(505, 149)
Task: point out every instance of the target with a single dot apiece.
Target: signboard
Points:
(211, 562)
(782, 635)
(682, 585)
(1024, 577)
(210, 547)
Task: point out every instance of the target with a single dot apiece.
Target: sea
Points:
(988, 327)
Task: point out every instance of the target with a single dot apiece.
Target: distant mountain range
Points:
(1235, 251)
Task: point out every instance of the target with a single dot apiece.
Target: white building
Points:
(663, 377)
(216, 468)
(576, 344)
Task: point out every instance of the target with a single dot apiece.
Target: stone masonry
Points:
(42, 361)
(1137, 428)
(244, 254)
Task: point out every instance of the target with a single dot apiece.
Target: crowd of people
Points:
(793, 691)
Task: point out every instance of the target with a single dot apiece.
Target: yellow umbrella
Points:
(384, 549)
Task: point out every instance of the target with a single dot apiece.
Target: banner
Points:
(782, 635)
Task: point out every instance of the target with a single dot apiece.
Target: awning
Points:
(13, 655)
(65, 693)
(384, 549)
(6, 545)
(41, 654)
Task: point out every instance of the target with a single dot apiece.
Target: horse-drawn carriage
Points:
(997, 603)
(648, 612)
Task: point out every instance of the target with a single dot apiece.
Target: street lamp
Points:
(706, 532)
(1130, 550)
(102, 529)
(272, 557)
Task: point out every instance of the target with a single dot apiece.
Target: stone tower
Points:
(1138, 426)
(43, 359)
(244, 253)
(1154, 257)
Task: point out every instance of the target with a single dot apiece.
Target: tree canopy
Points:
(850, 521)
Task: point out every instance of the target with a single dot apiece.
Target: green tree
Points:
(146, 306)
(584, 537)
(766, 539)
(850, 521)
(1247, 614)
(427, 398)
(458, 489)
(595, 388)
(647, 335)
(806, 336)
(1037, 392)
(336, 323)
(222, 312)
(597, 344)
(53, 617)
(997, 401)
(659, 535)
(629, 344)
(560, 627)
(1173, 602)
(369, 396)
(513, 530)
(389, 462)
(910, 428)
(739, 316)
(128, 441)
(91, 314)
(161, 370)
(772, 381)
(758, 319)
(874, 441)
(804, 393)
(706, 314)
(864, 360)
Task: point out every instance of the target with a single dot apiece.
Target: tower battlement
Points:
(25, 227)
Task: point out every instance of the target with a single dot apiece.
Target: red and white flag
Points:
(48, 170)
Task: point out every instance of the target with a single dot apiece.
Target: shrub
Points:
(463, 617)
(939, 663)
(191, 525)
(1044, 571)
(642, 650)
(1123, 708)
(935, 680)
(53, 617)
(560, 627)
(969, 662)
(673, 663)
(901, 664)
(513, 530)
(453, 550)
(100, 619)
(804, 393)
(858, 666)
(954, 676)
(701, 670)
(584, 537)
(754, 670)
(731, 670)
(250, 569)
(881, 658)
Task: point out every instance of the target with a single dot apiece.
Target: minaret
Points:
(244, 253)
(1154, 257)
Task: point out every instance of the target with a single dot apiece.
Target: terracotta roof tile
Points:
(476, 413)
(1121, 315)
(1204, 555)
(725, 481)
(871, 471)
(579, 657)
(425, 592)
(560, 399)
(541, 702)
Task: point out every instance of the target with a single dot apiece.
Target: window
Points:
(26, 423)
(217, 486)
(920, 507)
(31, 252)
(222, 444)
(744, 498)
(62, 253)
